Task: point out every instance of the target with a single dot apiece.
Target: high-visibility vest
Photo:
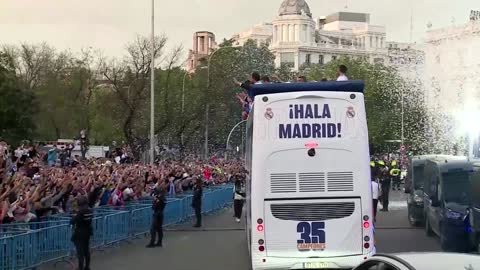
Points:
(395, 172)
(372, 163)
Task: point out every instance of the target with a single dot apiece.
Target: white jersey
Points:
(375, 190)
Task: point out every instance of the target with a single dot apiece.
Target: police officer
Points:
(395, 175)
(158, 205)
(238, 197)
(82, 231)
(385, 183)
(197, 202)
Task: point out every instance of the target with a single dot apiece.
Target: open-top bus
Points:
(309, 196)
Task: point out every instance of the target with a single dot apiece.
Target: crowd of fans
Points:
(247, 102)
(33, 187)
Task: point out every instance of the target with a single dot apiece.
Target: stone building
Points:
(203, 44)
(297, 39)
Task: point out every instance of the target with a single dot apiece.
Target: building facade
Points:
(452, 86)
(452, 64)
(260, 33)
(297, 39)
(203, 44)
(408, 59)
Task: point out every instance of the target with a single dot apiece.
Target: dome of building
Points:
(294, 7)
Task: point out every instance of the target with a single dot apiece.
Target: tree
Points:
(129, 80)
(383, 91)
(227, 64)
(31, 63)
(314, 72)
(284, 73)
(16, 105)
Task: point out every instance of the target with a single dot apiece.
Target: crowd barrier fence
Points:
(28, 245)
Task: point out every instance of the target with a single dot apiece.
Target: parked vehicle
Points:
(414, 186)
(473, 218)
(446, 200)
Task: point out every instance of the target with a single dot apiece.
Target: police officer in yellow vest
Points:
(385, 183)
(395, 175)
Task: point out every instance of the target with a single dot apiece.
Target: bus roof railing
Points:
(276, 88)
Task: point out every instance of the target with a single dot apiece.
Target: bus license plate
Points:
(315, 265)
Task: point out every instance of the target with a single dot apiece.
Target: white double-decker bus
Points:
(309, 197)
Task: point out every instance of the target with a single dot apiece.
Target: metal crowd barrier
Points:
(28, 245)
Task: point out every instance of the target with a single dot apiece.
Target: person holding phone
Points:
(159, 203)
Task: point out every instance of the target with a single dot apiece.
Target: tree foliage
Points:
(16, 105)
(63, 93)
(384, 88)
(110, 97)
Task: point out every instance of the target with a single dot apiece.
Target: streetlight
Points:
(152, 87)
(227, 147)
(183, 102)
(207, 105)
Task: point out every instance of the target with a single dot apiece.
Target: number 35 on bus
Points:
(309, 197)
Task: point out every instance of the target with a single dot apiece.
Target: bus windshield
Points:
(456, 187)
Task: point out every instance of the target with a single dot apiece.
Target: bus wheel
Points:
(428, 229)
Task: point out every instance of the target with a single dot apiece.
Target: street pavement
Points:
(221, 244)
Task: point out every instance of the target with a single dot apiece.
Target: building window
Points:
(308, 59)
(287, 58)
(304, 32)
(321, 60)
(334, 57)
(202, 44)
